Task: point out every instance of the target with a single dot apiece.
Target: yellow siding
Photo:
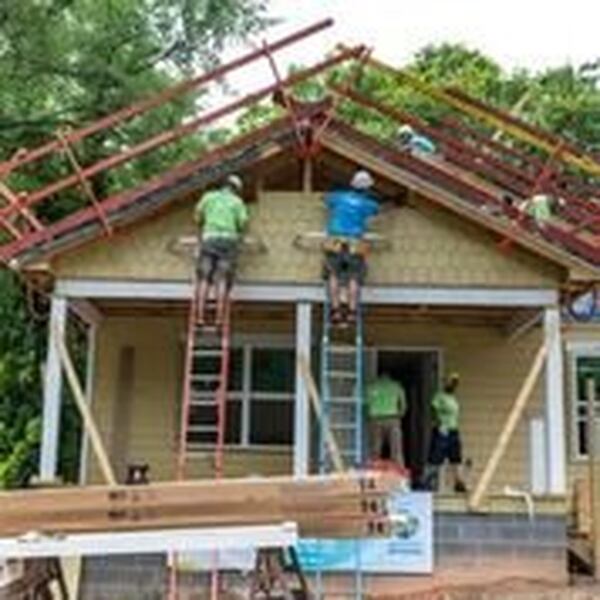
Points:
(491, 369)
(585, 333)
(429, 247)
(158, 345)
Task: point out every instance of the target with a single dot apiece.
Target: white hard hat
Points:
(235, 181)
(405, 129)
(362, 180)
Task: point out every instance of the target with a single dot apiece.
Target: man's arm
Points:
(199, 210)
(242, 216)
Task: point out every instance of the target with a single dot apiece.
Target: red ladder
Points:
(204, 402)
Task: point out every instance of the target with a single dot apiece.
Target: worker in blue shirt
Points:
(348, 213)
(409, 139)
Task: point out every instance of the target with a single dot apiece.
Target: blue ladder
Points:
(342, 391)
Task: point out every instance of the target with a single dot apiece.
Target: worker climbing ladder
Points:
(342, 419)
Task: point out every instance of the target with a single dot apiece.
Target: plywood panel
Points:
(428, 247)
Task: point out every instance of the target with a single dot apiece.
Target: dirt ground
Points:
(511, 590)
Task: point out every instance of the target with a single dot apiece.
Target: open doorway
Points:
(418, 372)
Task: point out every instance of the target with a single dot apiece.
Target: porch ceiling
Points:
(501, 317)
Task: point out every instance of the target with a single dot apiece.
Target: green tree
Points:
(64, 63)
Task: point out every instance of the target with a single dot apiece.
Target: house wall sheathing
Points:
(429, 246)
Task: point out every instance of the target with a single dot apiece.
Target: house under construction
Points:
(459, 280)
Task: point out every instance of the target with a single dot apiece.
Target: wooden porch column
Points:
(302, 402)
(556, 470)
(52, 391)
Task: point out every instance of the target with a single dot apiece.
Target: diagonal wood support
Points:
(84, 182)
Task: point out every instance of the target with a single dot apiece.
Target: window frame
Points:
(578, 351)
(248, 344)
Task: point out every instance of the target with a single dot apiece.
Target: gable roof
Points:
(465, 180)
(440, 185)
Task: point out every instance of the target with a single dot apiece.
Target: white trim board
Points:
(149, 542)
(179, 290)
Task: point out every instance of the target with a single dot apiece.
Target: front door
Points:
(418, 372)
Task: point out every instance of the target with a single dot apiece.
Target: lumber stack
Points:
(352, 505)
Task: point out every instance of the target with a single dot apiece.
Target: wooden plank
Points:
(335, 507)
(509, 427)
(593, 430)
(84, 409)
(336, 457)
(122, 415)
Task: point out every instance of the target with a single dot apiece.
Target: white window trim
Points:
(248, 343)
(577, 350)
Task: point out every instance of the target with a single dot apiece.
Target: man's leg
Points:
(434, 462)
(356, 275)
(331, 269)
(455, 460)
(204, 275)
(224, 275)
(395, 436)
(376, 439)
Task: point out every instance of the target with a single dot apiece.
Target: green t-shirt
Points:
(222, 213)
(539, 207)
(386, 398)
(447, 411)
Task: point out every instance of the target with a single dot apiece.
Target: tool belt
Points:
(337, 245)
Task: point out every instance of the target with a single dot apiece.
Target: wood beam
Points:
(283, 535)
(244, 292)
(84, 409)
(322, 506)
(507, 431)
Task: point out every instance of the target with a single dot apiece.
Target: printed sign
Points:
(408, 550)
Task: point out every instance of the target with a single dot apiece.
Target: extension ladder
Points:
(342, 390)
(204, 399)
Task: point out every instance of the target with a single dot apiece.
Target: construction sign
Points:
(408, 550)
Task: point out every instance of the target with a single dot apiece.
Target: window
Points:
(260, 401)
(584, 368)
(272, 396)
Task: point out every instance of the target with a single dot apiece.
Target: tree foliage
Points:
(67, 62)
(64, 63)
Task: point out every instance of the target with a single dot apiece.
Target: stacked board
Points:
(339, 506)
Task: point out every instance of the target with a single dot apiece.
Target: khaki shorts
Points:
(217, 260)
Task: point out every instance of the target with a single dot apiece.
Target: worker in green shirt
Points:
(541, 207)
(222, 217)
(445, 439)
(386, 405)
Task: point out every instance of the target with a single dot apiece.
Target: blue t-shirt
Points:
(349, 212)
(420, 143)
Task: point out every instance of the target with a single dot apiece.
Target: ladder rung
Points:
(342, 349)
(206, 377)
(209, 352)
(335, 374)
(202, 429)
(202, 402)
(342, 426)
(343, 400)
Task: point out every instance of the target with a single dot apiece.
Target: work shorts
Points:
(217, 259)
(445, 447)
(345, 265)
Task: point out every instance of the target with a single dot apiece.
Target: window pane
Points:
(236, 369)
(271, 422)
(582, 432)
(273, 370)
(588, 367)
(203, 421)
